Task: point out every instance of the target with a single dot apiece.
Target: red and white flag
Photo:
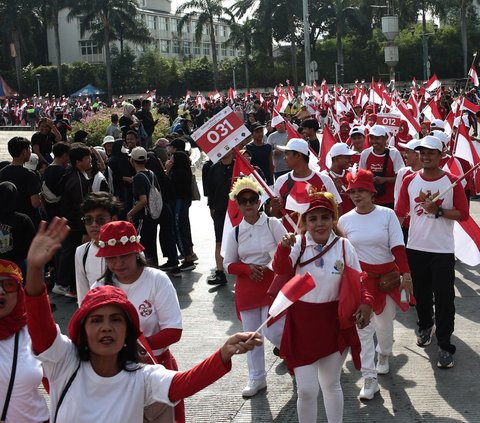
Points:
(433, 83)
(298, 199)
(472, 73)
(200, 100)
(467, 241)
(290, 93)
(449, 123)
(413, 126)
(464, 147)
(468, 105)
(260, 97)
(217, 95)
(276, 118)
(454, 167)
(431, 111)
(231, 96)
(282, 104)
(328, 141)
(291, 292)
(376, 95)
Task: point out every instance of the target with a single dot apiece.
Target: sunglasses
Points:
(243, 201)
(9, 285)
(99, 220)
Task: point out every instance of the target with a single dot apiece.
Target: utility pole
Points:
(306, 42)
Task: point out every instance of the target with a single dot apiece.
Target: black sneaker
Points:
(218, 278)
(276, 352)
(187, 265)
(194, 257)
(445, 359)
(424, 337)
(169, 265)
(175, 272)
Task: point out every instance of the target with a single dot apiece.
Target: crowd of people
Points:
(376, 235)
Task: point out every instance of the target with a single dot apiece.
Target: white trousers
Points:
(251, 321)
(382, 326)
(325, 374)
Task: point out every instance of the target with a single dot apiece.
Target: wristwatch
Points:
(439, 213)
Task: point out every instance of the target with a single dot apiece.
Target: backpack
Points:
(155, 202)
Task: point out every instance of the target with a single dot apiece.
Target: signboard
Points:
(389, 120)
(220, 134)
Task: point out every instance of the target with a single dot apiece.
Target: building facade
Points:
(161, 23)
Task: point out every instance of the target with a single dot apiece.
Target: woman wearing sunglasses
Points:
(95, 376)
(248, 254)
(20, 372)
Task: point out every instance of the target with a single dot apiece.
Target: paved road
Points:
(415, 390)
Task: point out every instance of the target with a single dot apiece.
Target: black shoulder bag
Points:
(381, 187)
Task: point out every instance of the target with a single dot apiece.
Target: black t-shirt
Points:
(52, 176)
(261, 157)
(45, 143)
(141, 186)
(27, 183)
(63, 125)
(16, 235)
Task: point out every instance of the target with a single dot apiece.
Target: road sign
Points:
(220, 134)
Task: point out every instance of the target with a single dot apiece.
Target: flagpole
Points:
(454, 184)
(468, 74)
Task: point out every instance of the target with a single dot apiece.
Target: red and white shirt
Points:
(374, 162)
(347, 203)
(428, 233)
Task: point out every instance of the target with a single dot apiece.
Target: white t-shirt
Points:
(327, 278)
(373, 235)
(402, 173)
(256, 243)
(87, 275)
(26, 403)
(278, 139)
(155, 300)
(93, 398)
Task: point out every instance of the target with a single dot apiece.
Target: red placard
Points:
(220, 134)
(389, 120)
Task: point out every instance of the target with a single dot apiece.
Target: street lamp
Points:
(38, 85)
(425, 35)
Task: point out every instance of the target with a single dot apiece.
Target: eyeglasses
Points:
(243, 201)
(99, 220)
(9, 285)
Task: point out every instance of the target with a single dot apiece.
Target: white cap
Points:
(32, 162)
(410, 145)
(357, 130)
(378, 131)
(430, 142)
(296, 144)
(442, 136)
(437, 124)
(340, 149)
(108, 139)
(139, 154)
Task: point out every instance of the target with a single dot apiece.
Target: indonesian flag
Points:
(340, 106)
(431, 111)
(472, 73)
(282, 104)
(291, 131)
(276, 118)
(325, 94)
(449, 124)
(187, 95)
(468, 105)
(290, 95)
(291, 292)
(454, 167)
(260, 97)
(315, 92)
(464, 148)
(433, 83)
(298, 199)
(467, 241)
(413, 102)
(413, 126)
(231, 96)
(217, 95)
(376, 95)
(328, 141)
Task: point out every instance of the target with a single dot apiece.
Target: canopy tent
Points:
(88, 91)
(6, 90)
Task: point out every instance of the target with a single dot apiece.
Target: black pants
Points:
(433, 276)
(147, 229)
(167, 234)
(66, 266)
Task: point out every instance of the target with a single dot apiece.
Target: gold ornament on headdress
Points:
(314, 194)
(11, 269)
(245, 183)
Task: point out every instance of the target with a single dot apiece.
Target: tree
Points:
(241, 37)
(206, 12)
(97, 18)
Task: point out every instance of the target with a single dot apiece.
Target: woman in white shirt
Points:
(249, 248)
(25, 403)
(376, 234)
(315, 343)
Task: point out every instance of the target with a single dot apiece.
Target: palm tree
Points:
(241, 36)
(16, 17)
(51, 9)
(97, 18)
(206, 13)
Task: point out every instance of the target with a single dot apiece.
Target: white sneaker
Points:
(63, 290)
(383, 366)
(254, 385)
(370, 388)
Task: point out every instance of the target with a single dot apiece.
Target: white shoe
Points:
(383, 366)
(370, 388)
(253, 387)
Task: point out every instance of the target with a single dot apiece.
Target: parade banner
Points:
(389, 120)
(220, 134)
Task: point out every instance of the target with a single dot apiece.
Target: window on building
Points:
(176, 47)
(205, 30)
(217, 49)
(88, 48)
(164, 24)
(164, 46)
(215, 30)
(223, 31)
(206, 49)
(223, 49)
(187, 47)
(174, 24)
(196, 49)
(186, 28)
(231, 52)
(151, 22)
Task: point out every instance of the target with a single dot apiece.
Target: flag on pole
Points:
(467, 241)
(433, 83)
(282, 104)
(431, 111)
(413, 126)
(298, 199)
(291, 292)
(468, 105)
(276, 118)
(464, 147)
(473, 76)
(328, 141)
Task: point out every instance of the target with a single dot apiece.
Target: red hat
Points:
(117, 239)
(10, 270)
(99, 297)
(362, 179)
(323, 200)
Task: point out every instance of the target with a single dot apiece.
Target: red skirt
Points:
(251, 294)
(312, 331)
